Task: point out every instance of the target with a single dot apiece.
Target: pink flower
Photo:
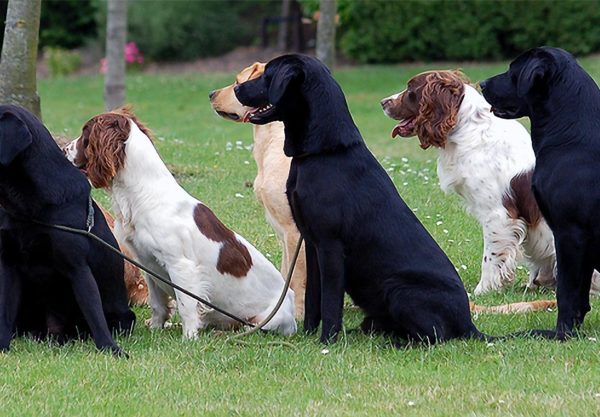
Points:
(103, 66)
(131, 53)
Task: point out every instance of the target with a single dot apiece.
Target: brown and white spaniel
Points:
(176, 235)
(488, 161)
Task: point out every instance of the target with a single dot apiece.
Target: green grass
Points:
(360, 375)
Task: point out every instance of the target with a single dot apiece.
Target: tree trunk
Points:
(326, 32)
(116, 34)
(282, 38)
(18, 83)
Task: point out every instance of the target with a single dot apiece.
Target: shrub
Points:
(410, 30)
(67, 23)
(61, 61)
(184, 30)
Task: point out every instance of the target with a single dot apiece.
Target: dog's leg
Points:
(331, 266)
(298, 282)
(574, 275)
(312, 300)
(89, 301)
(187, 275)
(502, 237)
(159, 298)
(10, 295)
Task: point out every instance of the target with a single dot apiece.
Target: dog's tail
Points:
(515, 308)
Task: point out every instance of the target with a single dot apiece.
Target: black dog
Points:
(563, 103)
(52, 283)
(360, 236)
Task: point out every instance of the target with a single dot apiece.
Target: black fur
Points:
(360, 236)
(563, 102)
(52, 283)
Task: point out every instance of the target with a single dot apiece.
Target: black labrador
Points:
(52, 283)
(563, 103)
(360, 235)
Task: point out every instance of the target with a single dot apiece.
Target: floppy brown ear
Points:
(257, 69)
(105, 151)
(15, 137)
(438, 109)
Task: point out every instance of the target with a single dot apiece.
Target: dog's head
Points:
(100, 149)
(268, 96)
(225, 103)
(428, 107)
(300, 91)
(526, 82)
(15, 132)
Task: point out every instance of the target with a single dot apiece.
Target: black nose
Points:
(482, 84)
(212, 94)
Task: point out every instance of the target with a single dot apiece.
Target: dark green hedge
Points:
(413, 30)
(184, 29)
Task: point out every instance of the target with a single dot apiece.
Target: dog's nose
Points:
(385, 102)
(482, 84)
(212, 94)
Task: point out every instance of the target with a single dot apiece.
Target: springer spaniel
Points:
(489, 162)
(176, 235)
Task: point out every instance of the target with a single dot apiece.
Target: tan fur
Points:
(269, 185)
(515, 308)
(137, 290)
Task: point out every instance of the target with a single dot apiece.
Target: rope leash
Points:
(143, 268)
(286, 285)
(254, 327)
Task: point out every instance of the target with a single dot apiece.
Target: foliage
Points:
(415, 30)
(67, 23)
(184, 30)
(61, 61)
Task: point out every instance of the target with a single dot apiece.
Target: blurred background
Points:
(161, 32)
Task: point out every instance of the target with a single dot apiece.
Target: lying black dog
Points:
(360, 236)
(52, 283)
(563, 103)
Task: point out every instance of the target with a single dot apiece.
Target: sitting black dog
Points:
(563, 102)
(52, 283)
(360, 235)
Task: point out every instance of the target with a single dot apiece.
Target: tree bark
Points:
(326, 32)
(116, 35)
(282, 36)
(18, 83)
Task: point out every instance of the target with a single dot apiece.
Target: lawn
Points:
(359, 375)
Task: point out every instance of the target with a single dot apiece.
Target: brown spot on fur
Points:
(234, 258)
(520, 201)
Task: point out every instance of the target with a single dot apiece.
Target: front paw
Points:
(329, 336)
(310, 326)
(116, 351)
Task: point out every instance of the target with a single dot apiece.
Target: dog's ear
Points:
(281, 81)
(441, 98)
(530, 74)
(105, 150)
(15, 137)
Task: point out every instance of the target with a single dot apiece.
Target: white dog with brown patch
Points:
(176, 235)
(273, 168)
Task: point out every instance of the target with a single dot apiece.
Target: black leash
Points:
(89, 234)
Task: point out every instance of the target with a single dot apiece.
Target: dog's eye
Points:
(412, 96)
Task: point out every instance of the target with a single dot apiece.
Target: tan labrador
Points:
(272, 172)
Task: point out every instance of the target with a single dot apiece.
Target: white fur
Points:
(154, 215)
